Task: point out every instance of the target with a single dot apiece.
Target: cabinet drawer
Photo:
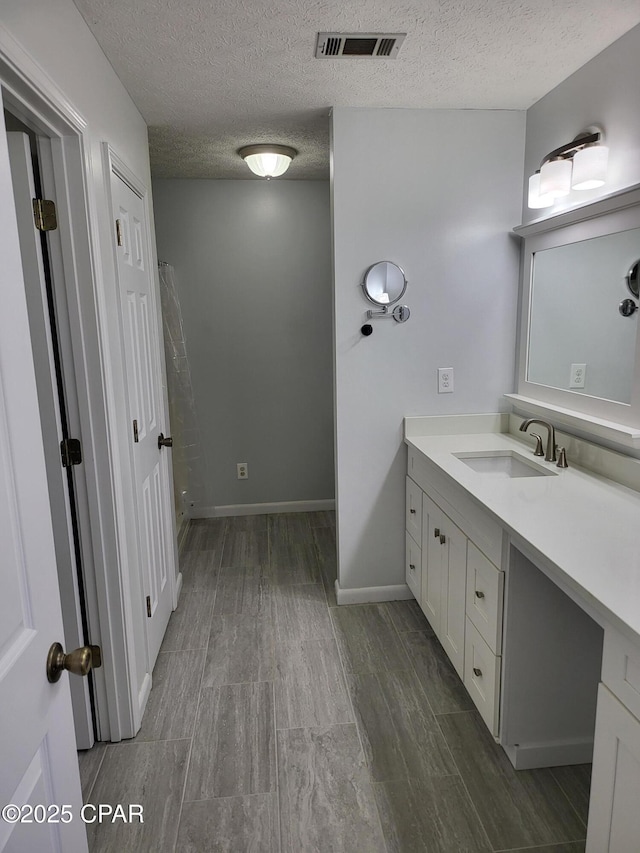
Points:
(413, 566)
(482, 676)
(485, 586)
(413, 510)
(621, 670)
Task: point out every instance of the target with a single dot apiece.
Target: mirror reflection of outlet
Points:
(445, 380)
(577, 375)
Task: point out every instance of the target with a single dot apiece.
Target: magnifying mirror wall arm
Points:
(383, 312)
(400, 313)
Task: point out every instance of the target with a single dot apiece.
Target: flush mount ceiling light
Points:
(267, 161)
(578, 165)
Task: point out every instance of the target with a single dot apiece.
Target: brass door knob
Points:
(164, 442)
(79, 661)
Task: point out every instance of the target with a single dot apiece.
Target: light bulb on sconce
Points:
(555, 178)
(578, 165)
(536, 199)
(590, 167)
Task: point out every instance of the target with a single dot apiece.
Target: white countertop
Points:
(585, 526)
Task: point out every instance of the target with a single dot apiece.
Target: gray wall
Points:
(438, 192)
(253, 269)
(603, 92)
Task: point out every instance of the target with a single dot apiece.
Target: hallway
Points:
(279, 722)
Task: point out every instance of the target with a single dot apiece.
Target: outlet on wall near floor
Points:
(577, 375)
(243, 470)
(445, 380)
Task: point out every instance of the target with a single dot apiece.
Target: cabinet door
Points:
(614, 817)
(453, 543)
(413, 510)
(413, 567)
(432, 552)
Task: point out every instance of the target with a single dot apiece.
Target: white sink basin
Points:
(504, 464)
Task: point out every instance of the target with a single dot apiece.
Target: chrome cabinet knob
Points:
(164, 442)
(412, 566)
(477, 672)
(479, 594)
(412, 511)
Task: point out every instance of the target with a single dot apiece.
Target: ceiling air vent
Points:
(386, 45)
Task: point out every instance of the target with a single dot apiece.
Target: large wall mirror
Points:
(579, 343)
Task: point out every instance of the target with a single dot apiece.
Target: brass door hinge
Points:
(71, 452)
(118, 232)
(44, 214)
(149, 606)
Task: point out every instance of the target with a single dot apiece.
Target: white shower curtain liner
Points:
(187, 446)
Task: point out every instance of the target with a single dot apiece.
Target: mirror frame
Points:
(618, 422)
(375, 301)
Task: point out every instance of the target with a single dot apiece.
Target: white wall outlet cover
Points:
(243, 470)
(577, 375)
(445, 380)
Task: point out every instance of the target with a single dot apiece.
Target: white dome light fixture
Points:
(267, 161)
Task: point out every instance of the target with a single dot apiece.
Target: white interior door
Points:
(50, 416)
(142, 356)
(38, 762)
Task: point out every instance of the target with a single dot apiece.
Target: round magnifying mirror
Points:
(633, 280)
(384, 283)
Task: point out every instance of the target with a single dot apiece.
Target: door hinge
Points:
(149, 606)
(118, 232)
(135, 431)
(71, 452)
(44, 214)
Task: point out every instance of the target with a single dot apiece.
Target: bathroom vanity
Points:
(530, 577)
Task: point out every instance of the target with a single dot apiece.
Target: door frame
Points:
(98, 366)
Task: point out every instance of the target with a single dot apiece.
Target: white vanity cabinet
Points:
(444, 566)
(551, 621)
(460, 589)
(614, 816)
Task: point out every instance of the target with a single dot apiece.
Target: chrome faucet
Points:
(550, 455)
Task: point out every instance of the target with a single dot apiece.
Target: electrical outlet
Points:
(445, 380)
(243, 470)
(577, 375)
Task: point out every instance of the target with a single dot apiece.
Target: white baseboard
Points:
(181, 533)
(366, 594)
(260, 509)
(178, 587)
(554, 754)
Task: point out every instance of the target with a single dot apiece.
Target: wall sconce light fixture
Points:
(267, 161)
(578, 165)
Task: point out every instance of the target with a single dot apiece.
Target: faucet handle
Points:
(538, 451)
(562, 458)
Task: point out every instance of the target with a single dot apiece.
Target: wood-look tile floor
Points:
(280, 723)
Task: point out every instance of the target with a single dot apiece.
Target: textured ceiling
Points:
(212, 75)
